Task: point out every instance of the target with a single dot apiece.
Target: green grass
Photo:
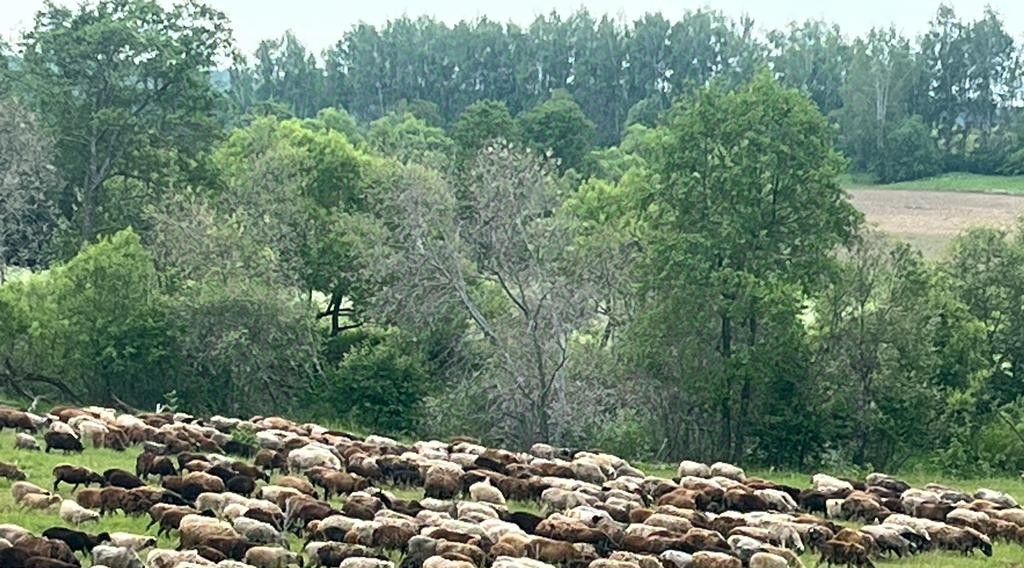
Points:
(956, 181)
(38, 467)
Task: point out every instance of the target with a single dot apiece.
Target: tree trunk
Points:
(726, 402)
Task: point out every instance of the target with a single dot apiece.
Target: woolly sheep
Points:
(692, 469)
(676, 559)
(767, 560)
(728, 471)
(75, 514)
(19, 489)
(164, 558)
(828, 484)
(116, 557)
(509, 562)
(365, 563)
(485, 492)
(256, 531)
(271, 557)
(39, 501)
(23, 441)
(136, 542)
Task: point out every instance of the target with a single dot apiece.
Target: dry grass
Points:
(930, 219)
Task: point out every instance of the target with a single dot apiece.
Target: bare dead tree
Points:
(502, 255)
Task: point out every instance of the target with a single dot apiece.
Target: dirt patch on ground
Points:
(930, 219)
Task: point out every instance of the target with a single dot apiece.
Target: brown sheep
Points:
(112, 499)
(440, 483)
(11, 472)
(742, 500)
(47, 548)
(89, 498)
(856, 537)
(74, 476)
(839, 553)
(16, 419)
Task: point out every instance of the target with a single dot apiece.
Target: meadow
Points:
(38, 467)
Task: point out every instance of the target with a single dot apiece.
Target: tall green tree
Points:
(748, 208)
(124, 85)
(559, 126)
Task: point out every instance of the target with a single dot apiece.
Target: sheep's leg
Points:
(56, 483)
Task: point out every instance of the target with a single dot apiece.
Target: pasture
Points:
(38, 467)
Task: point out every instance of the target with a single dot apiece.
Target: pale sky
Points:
(320, 23)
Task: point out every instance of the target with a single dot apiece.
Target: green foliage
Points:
(480, 124)
(380, 385)
(559, 126)
(410, 140)
(910, 153)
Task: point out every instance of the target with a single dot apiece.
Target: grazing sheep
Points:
(20, 489)
(706, 559)
(692, 469)
(256, 531)
(23, 441)
(74, 476)
(77, 541)
(11, 472)
(767, 560)
(163, 558)
(136, 542)
(728, 471)
(39, 501)
(440, 483)
(271, 557)
(63, 442)
(844, 554)
(74, 514)
(485, 492)
(360, 562)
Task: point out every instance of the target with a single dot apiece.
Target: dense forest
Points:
(584, 232)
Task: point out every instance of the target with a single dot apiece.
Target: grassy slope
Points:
(38, 467)
(958, 181)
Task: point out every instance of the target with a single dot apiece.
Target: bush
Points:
(380, 385)
(910, 153)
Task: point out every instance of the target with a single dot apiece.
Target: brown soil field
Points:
(930, 219)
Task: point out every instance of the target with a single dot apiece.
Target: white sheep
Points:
(510, 562)
(165, 558)
(676, 559)
(257, 531)
(271, 557)
(39, 501)
(75, 514)
(728, 471)
(11, 533)
(116, 557)
(360, 562)
(485, 492)
(136, 542)
(306, 457)
(828, 484)
(767, 560)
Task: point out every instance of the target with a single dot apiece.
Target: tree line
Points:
(701, 288)
(948, 100)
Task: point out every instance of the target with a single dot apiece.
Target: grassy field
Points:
(38, 466)
(956, 181)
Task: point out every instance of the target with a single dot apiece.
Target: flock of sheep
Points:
(270, 499)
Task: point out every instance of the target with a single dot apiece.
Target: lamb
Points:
(271, 557)
(23, 441)
(75, 515)
(74, 476)
(63, 442)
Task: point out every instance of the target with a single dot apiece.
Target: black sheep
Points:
(241, 484)
(63, 442)
(122, 478)
(77, 541)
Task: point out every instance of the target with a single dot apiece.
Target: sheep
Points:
(39, 501)
(692, 469)
(845, 554)
(706, 559)
(164, 558)
(77, 541)
(728, 471)
(23, 441)
(306, 457)
(257, 531)
(440, 483)
(767, 560)
(442, 562)
(676, 559)
(361, 562)
(485, 492)
(12, 533)
(74, 514)
(270, 557)
(20, 489)
(63, 442)
(509, 562)
(11, 472)
(828, 484)
(74, 476)
(135, 542)
(998, 497)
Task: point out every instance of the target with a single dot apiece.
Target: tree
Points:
(876, 98)
(124, 86)
(747, 209)
(559, 126)
(410, 140)
(503, 260)
(482, 123)
(27, 180)
(814, 58)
